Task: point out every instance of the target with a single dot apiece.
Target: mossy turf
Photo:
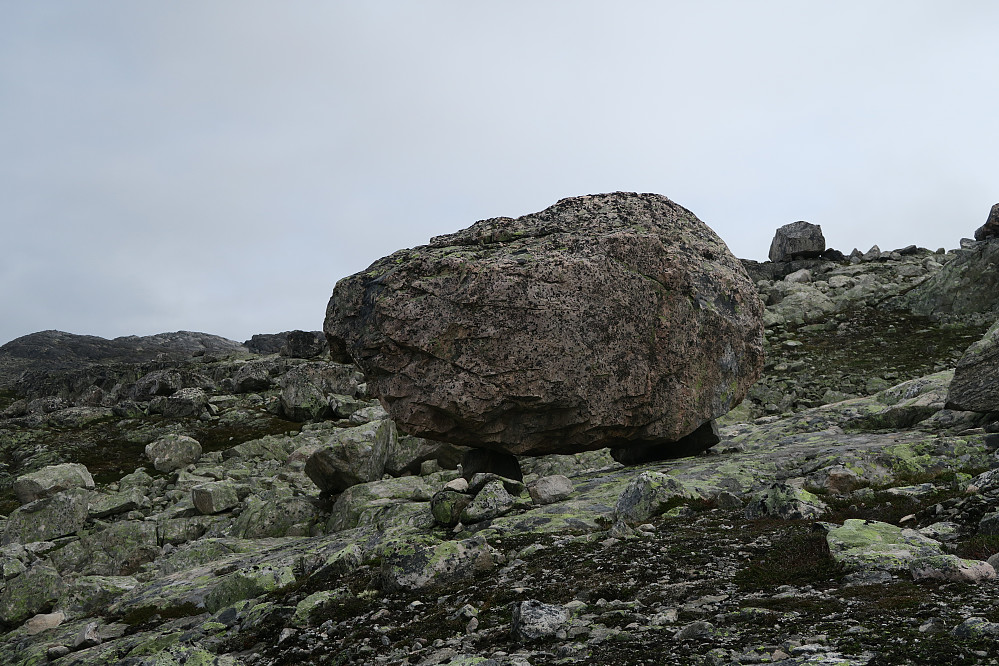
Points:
(856, 347)
(764, 581)
(111, 448)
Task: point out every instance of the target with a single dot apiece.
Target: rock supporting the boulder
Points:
(604, 320)
(798, 240)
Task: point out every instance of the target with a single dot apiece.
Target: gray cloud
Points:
(218, 166)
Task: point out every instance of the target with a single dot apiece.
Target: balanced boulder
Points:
(798, 240)
(51, 480)
(605, 320)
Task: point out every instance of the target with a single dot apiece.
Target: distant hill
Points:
(57, 350)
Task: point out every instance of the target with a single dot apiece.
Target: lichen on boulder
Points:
(605, 320)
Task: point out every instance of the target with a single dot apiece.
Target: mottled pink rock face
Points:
(604, 320)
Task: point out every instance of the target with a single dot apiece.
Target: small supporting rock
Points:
(696, 442)
(483, 460)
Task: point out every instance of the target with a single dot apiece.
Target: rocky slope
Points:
(253, 508)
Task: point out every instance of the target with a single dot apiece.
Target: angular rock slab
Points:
(975, 386)
(601, 321)
(351, 456)
(966, 285)
(50, 480)
(867, 545)
(48, 518)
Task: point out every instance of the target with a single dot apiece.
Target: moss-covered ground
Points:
(764, 585)
(856, 352)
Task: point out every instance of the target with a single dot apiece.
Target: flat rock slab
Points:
(604, 320)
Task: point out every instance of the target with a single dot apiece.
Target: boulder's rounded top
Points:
(592, 214)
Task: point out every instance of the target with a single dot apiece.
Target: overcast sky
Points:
(218, 165)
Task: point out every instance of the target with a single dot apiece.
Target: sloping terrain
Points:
(844, 518)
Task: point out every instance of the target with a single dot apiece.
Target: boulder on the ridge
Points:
(975, 387)
(605, 320)
(991, 227)
(798, 240)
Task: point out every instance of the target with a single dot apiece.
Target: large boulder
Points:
(798, 240)
(158, 382)
(48, 518)
(991, 227)
(605, 320)
(188, 403)
(975, 387)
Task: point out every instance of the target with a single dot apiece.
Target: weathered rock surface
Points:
(975, 386)
(603, 320)
(798, 240)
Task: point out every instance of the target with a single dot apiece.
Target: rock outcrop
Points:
(975, 386)
(56, 350)
(798, 240)
(966, 286)
(605, 320)
(991, 227)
